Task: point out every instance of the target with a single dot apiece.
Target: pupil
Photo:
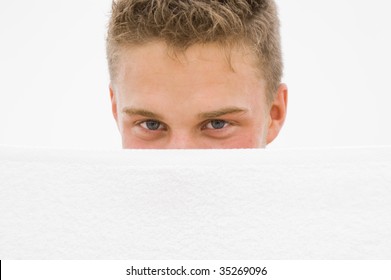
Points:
(218, 124)
(152, 125)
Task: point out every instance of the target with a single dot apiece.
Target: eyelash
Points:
(151, 130)
(203, 126)
(226, 123)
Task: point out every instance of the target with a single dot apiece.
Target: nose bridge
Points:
(182, 140)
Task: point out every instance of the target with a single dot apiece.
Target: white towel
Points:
(195, 204)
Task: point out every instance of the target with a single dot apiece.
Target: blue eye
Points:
(151, 125)
(216, 124)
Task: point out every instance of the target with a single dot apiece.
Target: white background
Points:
(54, 78)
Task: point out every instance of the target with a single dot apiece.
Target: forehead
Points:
(202, 74)
(151, 57)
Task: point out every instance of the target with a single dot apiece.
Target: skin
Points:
(196, 100)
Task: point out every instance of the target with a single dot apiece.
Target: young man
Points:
(195, 73)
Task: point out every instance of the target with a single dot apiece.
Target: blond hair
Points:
(182, 23)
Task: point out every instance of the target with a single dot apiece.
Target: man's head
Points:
(196, 73)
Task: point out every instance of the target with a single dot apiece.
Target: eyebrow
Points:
(141, 112)
(221, 112)
(205, 115)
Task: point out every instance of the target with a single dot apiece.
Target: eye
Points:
(216, 124)
(152, 125)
